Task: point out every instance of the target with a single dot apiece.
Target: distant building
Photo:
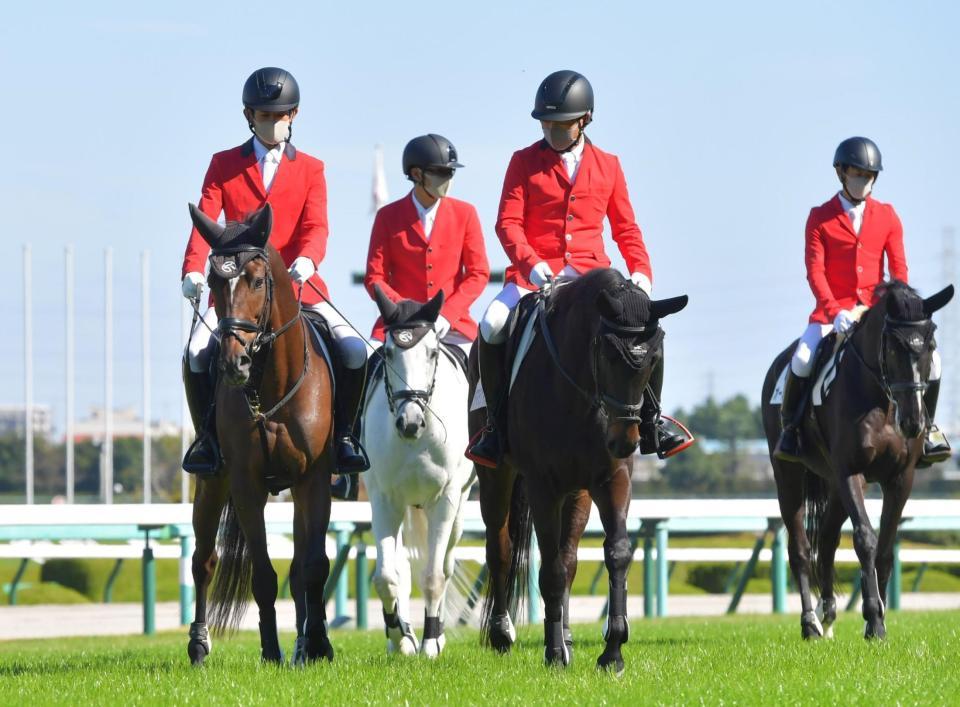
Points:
(127, 422)
(13, 420)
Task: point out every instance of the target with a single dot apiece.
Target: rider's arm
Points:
(815, 255)
(473, 261)
(378, 259)
(312, 240)
(211, 204)
(624, 229)
(510, 218)
(893, 249)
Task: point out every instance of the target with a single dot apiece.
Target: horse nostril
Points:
(243, 362)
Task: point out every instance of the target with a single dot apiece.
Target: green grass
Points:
(731, 660)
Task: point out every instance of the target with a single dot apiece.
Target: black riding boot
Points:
(936, 448)
(203, 456)
(789, 448)
(351, 459)
(657, 434)
(489, 449)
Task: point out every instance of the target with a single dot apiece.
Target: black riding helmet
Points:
(563, 95)
(859, 152)
(271, 90)
(429, 151)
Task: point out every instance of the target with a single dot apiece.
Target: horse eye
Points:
(258, 283)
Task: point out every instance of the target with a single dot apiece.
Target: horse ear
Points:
(388, 309)
(610, 307)
(431, 310)
(209, 229)
(261, 223)
(934, 302)
(661, 308)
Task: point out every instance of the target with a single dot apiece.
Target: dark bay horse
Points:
(274, 422)
(573, 418)
(869, 429)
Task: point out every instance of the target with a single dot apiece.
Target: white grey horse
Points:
(415, 433)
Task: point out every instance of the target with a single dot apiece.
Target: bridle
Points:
(395, 398)
(881, 378)
(615, 409)
(230, 326)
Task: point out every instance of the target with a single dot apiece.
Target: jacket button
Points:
(859, 290)
(566, 256)
(429, 250)
(430, 284)
(573, 197)
(429, 266)
(859, 245)
(859, 268)
(569, 217)
(569, 237)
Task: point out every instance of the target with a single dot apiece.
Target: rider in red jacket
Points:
(268, 169)
(847, 240)
(556, 194)
(427, 242)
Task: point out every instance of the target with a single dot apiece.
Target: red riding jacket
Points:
(842, 267)
(543, 217)
(408, 266)
(233, 185)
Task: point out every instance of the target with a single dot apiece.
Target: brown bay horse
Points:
(572, 429)
(868, 429)
(274, 422)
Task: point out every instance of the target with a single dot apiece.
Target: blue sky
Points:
(725, 117)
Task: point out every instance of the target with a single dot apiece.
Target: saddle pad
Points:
(318, 335)
(821, 387)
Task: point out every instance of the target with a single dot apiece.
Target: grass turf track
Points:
(731, 660)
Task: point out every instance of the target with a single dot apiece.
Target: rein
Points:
(600, 399)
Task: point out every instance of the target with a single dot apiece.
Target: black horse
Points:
(573, 417)
(869, 428)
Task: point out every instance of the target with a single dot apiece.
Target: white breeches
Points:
(802, 361)
(494, 321)
(353, 349)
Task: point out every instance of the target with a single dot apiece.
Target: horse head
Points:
(906, 345)
(629, 344)
(243, 271)
(411, 351)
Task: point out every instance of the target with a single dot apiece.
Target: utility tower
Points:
(948, 339)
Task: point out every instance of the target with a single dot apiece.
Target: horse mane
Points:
(899, 301)
(580, 298)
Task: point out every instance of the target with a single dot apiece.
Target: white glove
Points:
(642, 281)
(442, 326)
(192, 282)
(302, 269)
(843, 321)
(540, 274)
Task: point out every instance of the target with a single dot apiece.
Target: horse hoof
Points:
(611, 663)
(502, 633)
(556, 657)
(432, 647)
(402, 645)
(299, 657)
(400, 637)
(198, 652)
(810, 626)
(272, 657)
(874, 630)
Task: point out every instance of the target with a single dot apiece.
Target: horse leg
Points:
(496, 490)
(896, 491)
(865, 544)
(387, 519)
(249, 503)
(789, 478)
(443, 531)
(613, 500)
(312, 507)
(831, 525)
(208, 503)
(546, 520)
(576, 513)
(297, 591)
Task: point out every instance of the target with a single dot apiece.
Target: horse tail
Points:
(230, 592)
(520, 530)
(815, 494)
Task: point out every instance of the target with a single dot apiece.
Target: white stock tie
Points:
(268, 169)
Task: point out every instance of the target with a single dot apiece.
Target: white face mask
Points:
(858, 187)
(435, 185)
(272, 132)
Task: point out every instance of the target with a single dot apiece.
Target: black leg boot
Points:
(789, 448)
(658, 435)
(351, 459)
(203, 456)
(489, 449)
(936, 448)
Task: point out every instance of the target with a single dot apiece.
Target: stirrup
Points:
(792, 452)
(479, 449)
(685, 437)
(346, 487)
(351, 456)
(203, 462)
(936, 448)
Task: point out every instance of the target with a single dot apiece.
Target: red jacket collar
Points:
(289, 151)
